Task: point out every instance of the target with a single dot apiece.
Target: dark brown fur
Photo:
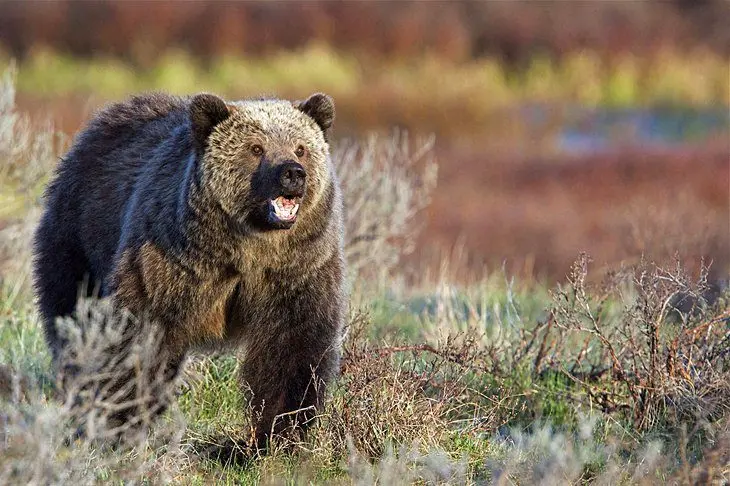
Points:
(164, 202)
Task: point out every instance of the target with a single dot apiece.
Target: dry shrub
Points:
(111, 366)
(407, 466)
(112, 372)
(713, 467)
(389, 395)
(386, 182)
(418, 396)
(26, 154)
(647, 342)
(648, 349)
(550, 457)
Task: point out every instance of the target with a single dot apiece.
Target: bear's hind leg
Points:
(60, 270)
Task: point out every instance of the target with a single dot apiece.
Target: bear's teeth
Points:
(284, 212)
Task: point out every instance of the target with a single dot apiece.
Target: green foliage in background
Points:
(697, 78)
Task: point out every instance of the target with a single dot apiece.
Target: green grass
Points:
(693, 78)
(22, 345)
(423, 93)
(513, 418)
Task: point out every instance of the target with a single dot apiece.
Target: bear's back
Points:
(140, 122)
(97, 177)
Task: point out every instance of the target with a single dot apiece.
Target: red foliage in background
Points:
(536, 213)
(139, 31)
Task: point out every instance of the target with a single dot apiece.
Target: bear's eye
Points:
(300, 151)
(257, 150)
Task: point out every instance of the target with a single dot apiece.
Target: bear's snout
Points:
(292, 176)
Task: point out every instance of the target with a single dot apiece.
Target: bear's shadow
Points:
(226, 451)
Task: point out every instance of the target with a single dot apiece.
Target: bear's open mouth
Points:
(285, 208)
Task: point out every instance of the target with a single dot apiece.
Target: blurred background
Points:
(560, 127)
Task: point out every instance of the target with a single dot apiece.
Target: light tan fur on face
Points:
(228, 165)
(279, 127)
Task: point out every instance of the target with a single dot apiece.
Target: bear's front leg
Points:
(291, 355)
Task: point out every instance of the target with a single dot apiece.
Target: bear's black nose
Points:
(292, 176)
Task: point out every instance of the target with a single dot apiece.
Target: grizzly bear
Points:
(219, 221)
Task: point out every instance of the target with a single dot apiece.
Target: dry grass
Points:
(68, 432)
(386, 182)
(536, 212)
(27, 153)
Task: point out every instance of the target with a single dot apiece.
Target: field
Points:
(552, 371)
(555, 158)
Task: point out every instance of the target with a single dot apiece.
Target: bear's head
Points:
(266, 162)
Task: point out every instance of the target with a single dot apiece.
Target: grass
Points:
(423, 92)
(621, 381)
(695, 78)
(452, 403)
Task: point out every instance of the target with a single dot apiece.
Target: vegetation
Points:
(604, 128)
(455, 30)
(423, 92)
(620, 381)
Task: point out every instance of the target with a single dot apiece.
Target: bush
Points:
(386, 182)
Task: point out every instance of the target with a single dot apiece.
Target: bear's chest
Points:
(190, 305)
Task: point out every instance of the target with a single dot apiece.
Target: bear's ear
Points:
(206, 111)
(321, 108)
